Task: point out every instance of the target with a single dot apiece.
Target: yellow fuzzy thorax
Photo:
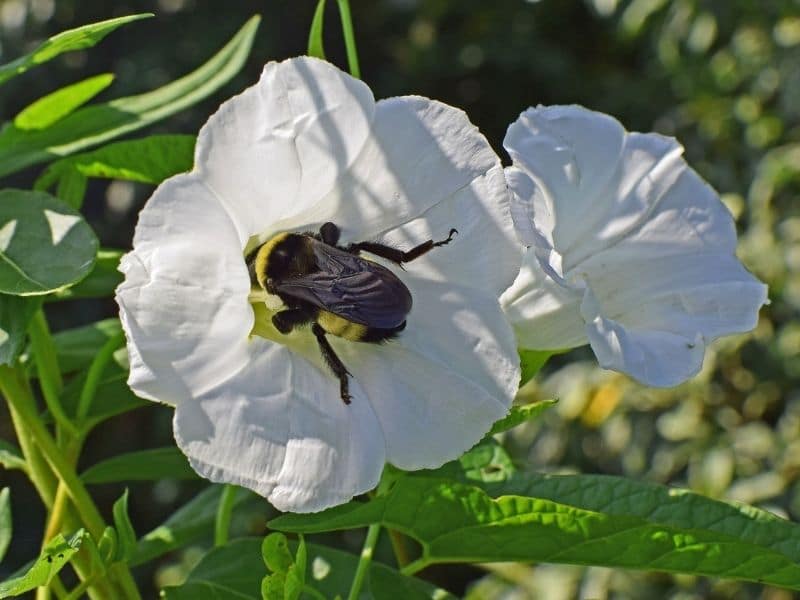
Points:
(263, 256)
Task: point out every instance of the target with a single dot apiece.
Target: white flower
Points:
(631, 251)
(306, 145)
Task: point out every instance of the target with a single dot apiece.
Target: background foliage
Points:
(721, 75)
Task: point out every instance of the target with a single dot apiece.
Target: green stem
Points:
(224, 512)
(416, 566)
(47, 367)
(21, 402)
(364, 560)
(96, 369)
(349, 38)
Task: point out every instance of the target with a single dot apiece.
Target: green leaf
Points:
(288, 577)
(189, 523)
(126, 535)
(235, 571)
(315, 34)
(47, 110)
(96, 124)
(100, 282)
(485, 462)
(276, 554)
(55, 555)
(15, 314)
(72, 188)
(148, 160)
(5, 521)
(75, 348)
(144, 465)
(577, 519)
(11, 457)
(66, 41)
(521, 414)
(531, 362)
(44, 244)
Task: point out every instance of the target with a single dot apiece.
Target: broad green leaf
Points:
(192, 521)
(487, 462)
(520, 414)
(47, 110)
(66, 41)
(126, 536)
(44, 243)
(11, 457)
(5, 521)
(235, 571)
(577, 519)
(15, 314)
(144, 465)
(315, 47)
(75, 348)
(148, 160)
(54, 556)
(96, 124)
(100, 282)
(531, 362)
(72, 188)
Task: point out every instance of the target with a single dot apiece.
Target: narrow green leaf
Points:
(75, 348)
(15, 314)
(126, 535)
(44, 243)
(66, 41)
(96, 124)
(5, 521)
(55, 555)
(189, 523)
(148, 160)
(236, 570)
(72, 188)
(113, 396)
(315, 47)
(11, 457)
(144, 465)
(47, 110)
(101, 281)
(521, 414)
(532, 361)
(577, 519)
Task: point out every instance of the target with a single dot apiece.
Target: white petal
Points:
(419, 153)
(183, 303)
(484, 254)
(544, 313)
(279, 428)
(438, 388)
(706, 294)
(276, 149)
(657, 358)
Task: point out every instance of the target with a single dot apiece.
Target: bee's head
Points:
(281, 257)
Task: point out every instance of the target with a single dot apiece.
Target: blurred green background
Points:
(723, 76)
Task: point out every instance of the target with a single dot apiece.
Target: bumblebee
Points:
(335, 289)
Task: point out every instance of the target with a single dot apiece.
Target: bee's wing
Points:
(359, 290)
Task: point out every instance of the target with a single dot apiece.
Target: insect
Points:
(335, 289)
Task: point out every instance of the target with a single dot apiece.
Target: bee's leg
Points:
(329, 233)
(288, 319)
(399, 256)
(333, 361)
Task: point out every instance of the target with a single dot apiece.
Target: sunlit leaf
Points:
(44, 243)
(520, 414)
(576, 519)
(54, 556)
(95, 124)
(143, 465)
(47, 110)
(531, 361)
(66, 41)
